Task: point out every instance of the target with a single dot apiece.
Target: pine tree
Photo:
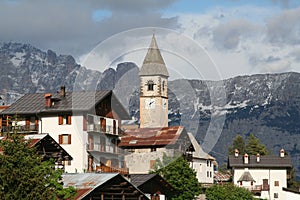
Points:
(254, 146)
(23, 174)
(238, 143)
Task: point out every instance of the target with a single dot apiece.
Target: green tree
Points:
(238, 143)
(254, 146)
(23, 174)
(178, 173)
(228, 192)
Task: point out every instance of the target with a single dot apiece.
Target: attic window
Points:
(132, 141)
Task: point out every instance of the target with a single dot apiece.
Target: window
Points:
(207, 174)
(67, 162)
(210, 174)
(64, 139)
(150, 85)
(207, 163)
(64, 119)
(276, 195)
(276, 183)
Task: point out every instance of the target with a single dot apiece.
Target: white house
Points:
(201, 162)
(264, 176)
(84, 123)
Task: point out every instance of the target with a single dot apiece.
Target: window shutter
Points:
(84, 123)
(69, 119)
(69, 139)
(60, 120)
(60, 138)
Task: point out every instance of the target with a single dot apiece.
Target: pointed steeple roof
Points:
(153, 63)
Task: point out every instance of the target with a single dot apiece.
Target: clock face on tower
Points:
(150, 103)
(164, 103)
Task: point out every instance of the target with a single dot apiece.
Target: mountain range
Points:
(267, 105)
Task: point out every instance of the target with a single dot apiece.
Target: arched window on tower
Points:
(150, 85)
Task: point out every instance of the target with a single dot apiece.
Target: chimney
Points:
(63, 91)
(257, 157)
(282, 153)
(246, 158)
(236, 153)
(48, 100)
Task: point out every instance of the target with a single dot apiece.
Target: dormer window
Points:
(150, 85)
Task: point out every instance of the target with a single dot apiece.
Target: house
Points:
(265, 176)
(201, 162)
(48, 149)
(102, 186)
(86, 124)
(153, 185)
(154, 138)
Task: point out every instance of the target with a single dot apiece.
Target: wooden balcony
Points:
(106, 169)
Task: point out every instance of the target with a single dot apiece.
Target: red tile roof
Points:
(151, 136)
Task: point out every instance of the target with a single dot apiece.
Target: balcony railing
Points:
(97, 146)
(257, 188)
(102, 129)
(20, 129)
(100, 124)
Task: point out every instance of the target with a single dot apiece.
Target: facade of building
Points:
(154, 137)
(264, 176)
(83, 123)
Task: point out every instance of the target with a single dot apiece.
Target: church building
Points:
(154, 137)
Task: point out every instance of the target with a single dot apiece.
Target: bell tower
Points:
(153, 89)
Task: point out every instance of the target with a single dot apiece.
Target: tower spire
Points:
(153, 62)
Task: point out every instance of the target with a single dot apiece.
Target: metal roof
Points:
(267, 161)
(86, 180)
(141, 137)
(139, 179)
(153, 63)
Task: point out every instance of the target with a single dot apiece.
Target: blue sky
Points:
(241, 37)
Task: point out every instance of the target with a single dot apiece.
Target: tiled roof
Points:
(72, 101)
(268, 161)
(221, 177)
(141, 137)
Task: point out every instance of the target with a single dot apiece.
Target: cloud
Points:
(67, 27)
(284, 29)
(276, 67)
(230, 34)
